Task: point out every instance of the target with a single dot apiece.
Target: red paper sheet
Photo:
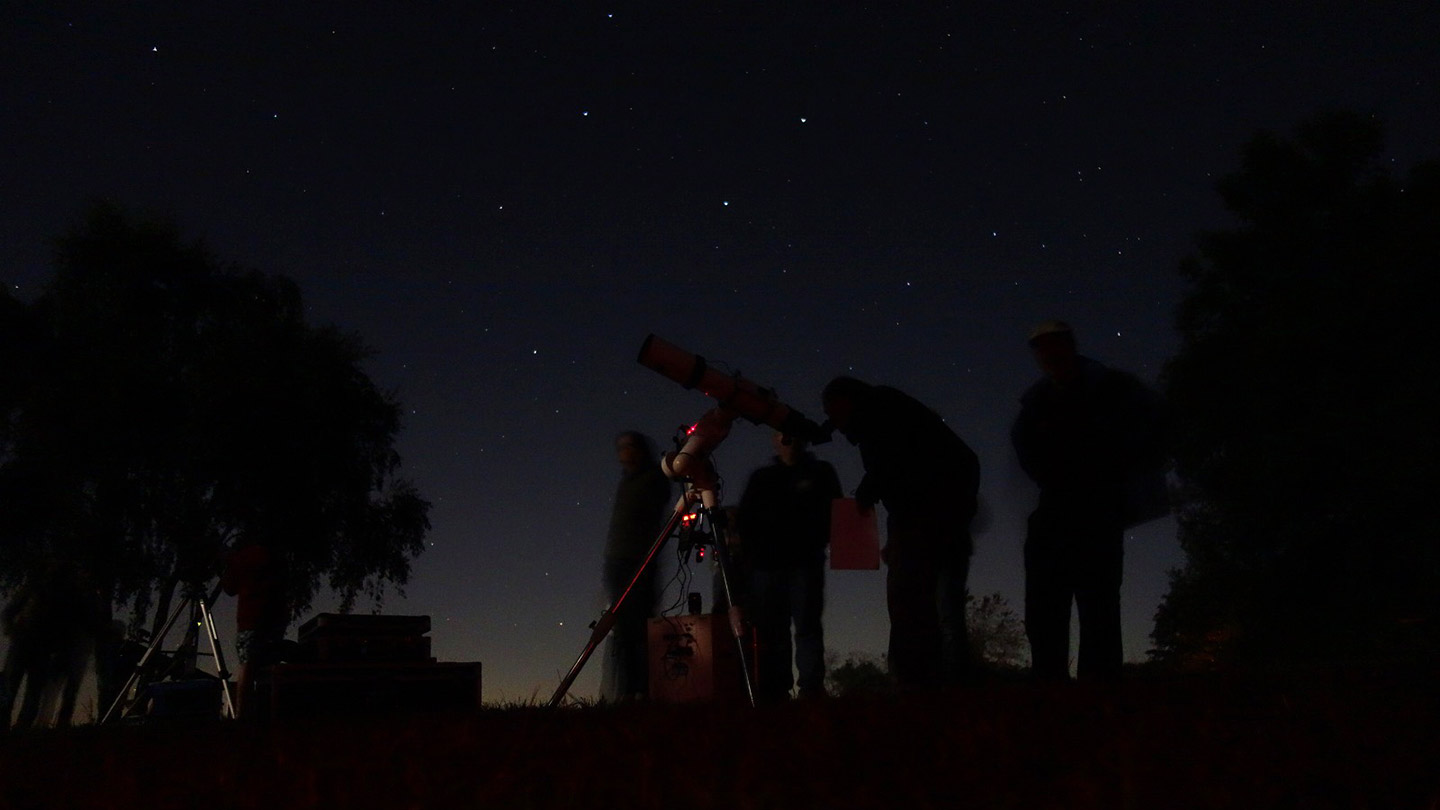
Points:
(854, 537)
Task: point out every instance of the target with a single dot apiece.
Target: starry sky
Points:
(504, 202)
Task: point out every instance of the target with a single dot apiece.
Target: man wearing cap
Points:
(1084, 434)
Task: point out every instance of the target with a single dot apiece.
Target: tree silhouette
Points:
(859, 674)
(997, 636)
(997, 644)
(1305, 395)
(166, 405)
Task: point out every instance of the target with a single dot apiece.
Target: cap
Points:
(1050, 328)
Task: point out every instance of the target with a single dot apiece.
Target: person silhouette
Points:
(1084, 430)
(784, 525)
(928, 478)
(642, 500)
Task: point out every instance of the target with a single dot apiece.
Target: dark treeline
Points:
(1305, 396)
(160, 407)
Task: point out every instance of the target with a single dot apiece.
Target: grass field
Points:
(1335, 740)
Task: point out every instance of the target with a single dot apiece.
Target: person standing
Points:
(928, 478)
(642, 501)
(784, 526)
(255, 576)
(53, 620)
(1083, 434)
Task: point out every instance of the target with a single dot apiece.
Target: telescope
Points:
(691, 463)
(755, 403)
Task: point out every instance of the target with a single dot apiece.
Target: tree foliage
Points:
(997, 645)
(164, 406)
(1305, 396)
(859, 674)
(997, 636)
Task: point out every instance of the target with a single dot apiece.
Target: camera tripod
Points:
(200, 618)
(700, 500)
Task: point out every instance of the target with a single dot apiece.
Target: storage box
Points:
(365, 649)
(694, 658)
(357, 624)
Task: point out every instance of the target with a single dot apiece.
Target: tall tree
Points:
(1305, 394)
(171, 405)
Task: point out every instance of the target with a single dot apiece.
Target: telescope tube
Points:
(758, 405)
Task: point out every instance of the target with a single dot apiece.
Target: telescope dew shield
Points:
(758, 405)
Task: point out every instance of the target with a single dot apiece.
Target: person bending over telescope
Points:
(928, 479)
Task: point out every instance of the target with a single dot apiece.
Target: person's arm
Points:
(1025, 437)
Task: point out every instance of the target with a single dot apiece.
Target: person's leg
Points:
(76, 662)
(1047, 600)
(38, 668)
(14, 673)
(1100, 567)
(957, 664)
(627, 666)
(245, 680)
(768, 610)
(807, 604)
(911, 585)
(637, 610)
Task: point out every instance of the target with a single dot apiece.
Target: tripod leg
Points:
(602, 626)
(144, 659)
(221, 671)
(722, 557)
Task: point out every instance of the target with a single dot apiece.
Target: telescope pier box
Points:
(694, 658)
(361, 665)
(368, 649)
(350, 638)
(363, 624)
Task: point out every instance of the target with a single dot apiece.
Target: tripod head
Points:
(692, 460)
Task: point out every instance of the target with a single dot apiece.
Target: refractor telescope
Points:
(737, 397)
(755, 403)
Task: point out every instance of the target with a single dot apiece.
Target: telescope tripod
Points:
(693, 505)
(200, 619)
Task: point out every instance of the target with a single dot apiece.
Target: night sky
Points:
(505, 202)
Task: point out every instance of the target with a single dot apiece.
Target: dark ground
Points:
(1355, 739)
